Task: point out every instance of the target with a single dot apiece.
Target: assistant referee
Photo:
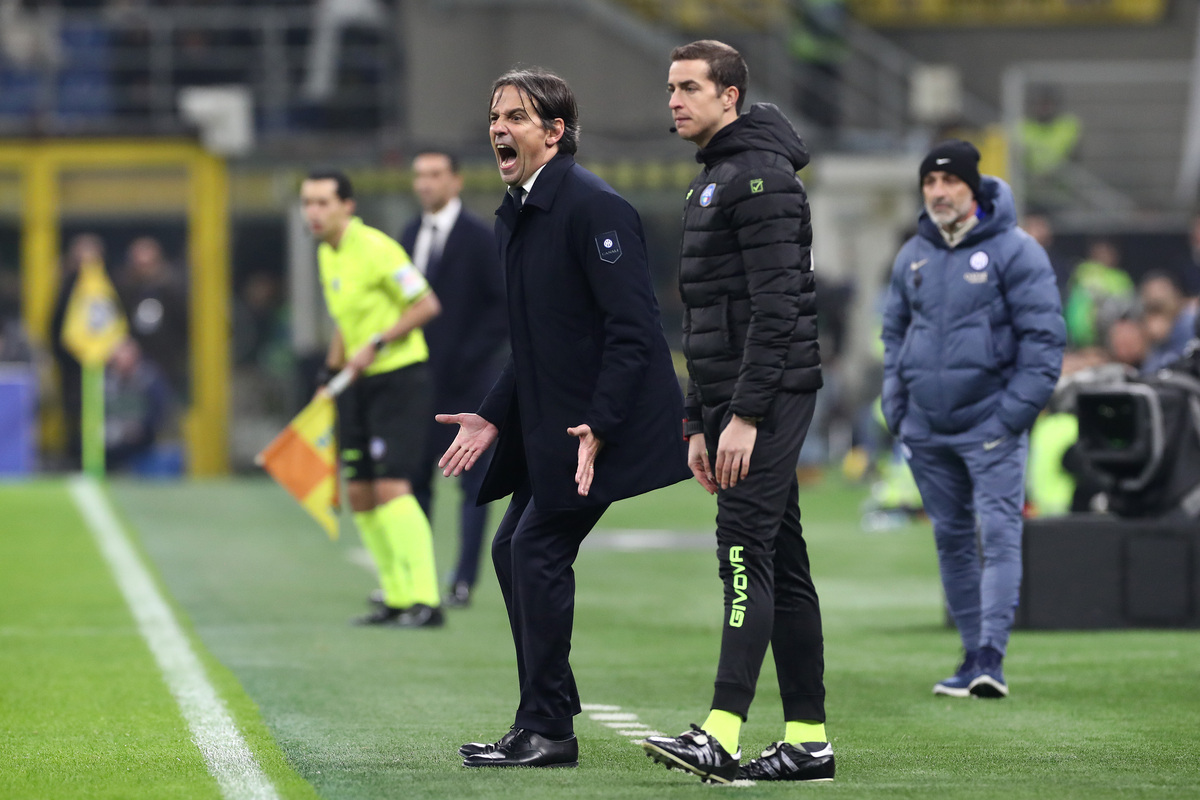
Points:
(379, 301)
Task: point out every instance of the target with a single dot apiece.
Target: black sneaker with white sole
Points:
(696, 752)
(811, 761)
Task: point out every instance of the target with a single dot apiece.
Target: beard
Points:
(946, 215)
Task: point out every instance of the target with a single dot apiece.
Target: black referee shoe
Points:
(695, 752)
(420, 616)
(811, 761)
(382, 615)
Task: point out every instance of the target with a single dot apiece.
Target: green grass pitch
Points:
(334, 711)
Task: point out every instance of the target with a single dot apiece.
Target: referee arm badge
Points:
(411, 282)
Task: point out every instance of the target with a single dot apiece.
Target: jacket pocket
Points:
(726, 324)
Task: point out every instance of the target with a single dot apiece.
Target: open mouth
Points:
(506, 155)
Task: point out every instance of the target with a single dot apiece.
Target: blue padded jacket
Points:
(973, 336)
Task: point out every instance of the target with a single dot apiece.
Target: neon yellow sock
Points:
(391, 580)
(801, 731)
(726, 727)
(411, 539)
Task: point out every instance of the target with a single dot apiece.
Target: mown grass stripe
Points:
(224, 749)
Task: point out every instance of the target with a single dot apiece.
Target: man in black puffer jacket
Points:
(750, 337)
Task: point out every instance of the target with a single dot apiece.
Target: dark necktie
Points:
(435, 253)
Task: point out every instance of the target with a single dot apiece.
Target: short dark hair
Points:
(437, 151)
(552, 99)
(1161, 275)
(726, 67)
(345, 190)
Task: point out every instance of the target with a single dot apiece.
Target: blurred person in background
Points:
(137, 404)
(468, 341)
(1041, 228)
(154, 295)
(1098, 292)
(1049, 141)
(84, 247)
(817, 43)
(14, 344)
(973, 335)
(379, 302)
(1189, 269)
(1125, 343)
(1167, 319)
(754, 366)
(263, 360)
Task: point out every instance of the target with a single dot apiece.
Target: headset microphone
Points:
(673, 129)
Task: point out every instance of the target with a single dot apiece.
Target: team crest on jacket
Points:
(609, 246)
(707, 195)
(979, 260)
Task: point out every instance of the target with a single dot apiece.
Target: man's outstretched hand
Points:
(589, 447)
(475, 436)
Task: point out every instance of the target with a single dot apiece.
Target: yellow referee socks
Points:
(725, 727)
(802, 731)
(392, 580)
(411, 539)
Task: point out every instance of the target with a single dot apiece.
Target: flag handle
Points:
(339, 382)
(91, 423)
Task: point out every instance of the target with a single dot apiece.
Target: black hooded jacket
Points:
(745, 271)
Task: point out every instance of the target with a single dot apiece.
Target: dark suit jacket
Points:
(468, 341)
(587, 347)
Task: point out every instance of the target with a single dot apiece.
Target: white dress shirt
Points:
(431, 238)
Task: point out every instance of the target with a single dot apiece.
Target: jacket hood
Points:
(763, 127)
(996, 197)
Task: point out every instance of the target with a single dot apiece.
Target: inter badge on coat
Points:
(609, 246)
(979, 260)
(707, 195)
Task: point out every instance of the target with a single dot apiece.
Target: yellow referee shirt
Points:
(369, 282)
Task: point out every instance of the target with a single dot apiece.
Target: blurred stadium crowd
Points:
(1088, 109)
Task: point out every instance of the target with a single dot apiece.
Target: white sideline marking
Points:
(625, 723)
(225, 752)
(613, 717)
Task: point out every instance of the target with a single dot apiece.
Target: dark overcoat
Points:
(468, 341)
(587, 347)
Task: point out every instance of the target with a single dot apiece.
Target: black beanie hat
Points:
(956, 157)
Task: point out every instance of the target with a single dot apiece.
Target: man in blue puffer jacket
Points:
(973, 339)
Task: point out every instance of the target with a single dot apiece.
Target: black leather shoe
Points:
(420, 616)
(475, 748)
(382, 615)
(529, 749)
(459, 595)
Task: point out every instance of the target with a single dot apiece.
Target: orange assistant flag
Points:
(303, 460)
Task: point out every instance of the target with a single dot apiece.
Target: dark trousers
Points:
(763, 563)
(472, 517)
(533, 553)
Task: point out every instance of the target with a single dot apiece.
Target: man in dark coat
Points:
(468, 341)
(750, 337)
(973, 338)
(587, 410)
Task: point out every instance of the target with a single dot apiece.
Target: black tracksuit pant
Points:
(763, 562)
(533, 553)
